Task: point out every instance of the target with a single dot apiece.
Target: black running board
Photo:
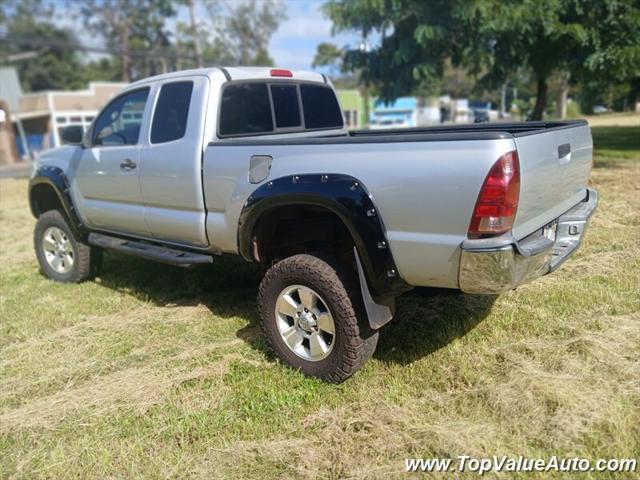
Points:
(149, 251)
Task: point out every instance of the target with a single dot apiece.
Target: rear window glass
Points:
(320, 106)
(245, 109)
(285, 105)
(172, 112)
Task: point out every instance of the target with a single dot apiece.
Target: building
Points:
(352, 105)
(8, 150)
(43, 115)
(10, 93)
(400, 113)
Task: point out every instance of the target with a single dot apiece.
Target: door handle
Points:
(128, 164)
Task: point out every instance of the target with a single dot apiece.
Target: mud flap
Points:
(379, 312)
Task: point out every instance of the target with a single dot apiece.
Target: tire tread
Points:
(341, 287)
(87, 258)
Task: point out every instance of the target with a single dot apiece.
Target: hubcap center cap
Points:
(306, 321)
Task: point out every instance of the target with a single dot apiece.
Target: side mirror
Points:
(72, 135)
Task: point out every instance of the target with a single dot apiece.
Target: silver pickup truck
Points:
(184, 167)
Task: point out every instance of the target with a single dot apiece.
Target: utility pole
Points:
(194, 33)
(503, 100)
(126, 59)
(116, 17)
(364, 48)
(563, 96)
(178, 65)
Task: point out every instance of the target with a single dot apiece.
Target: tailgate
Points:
(555, 165)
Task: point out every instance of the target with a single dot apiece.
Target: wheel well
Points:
(44, 198)
(288, 230)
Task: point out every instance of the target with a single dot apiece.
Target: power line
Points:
(47, 44)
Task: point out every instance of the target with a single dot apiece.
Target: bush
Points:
(573, 109)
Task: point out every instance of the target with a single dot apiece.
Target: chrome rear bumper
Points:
(496, 265)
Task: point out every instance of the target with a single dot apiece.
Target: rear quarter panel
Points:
(425, 193)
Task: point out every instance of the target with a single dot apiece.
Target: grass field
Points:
(153, 371)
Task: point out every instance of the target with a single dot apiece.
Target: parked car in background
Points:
(184, 167)
(481, 111)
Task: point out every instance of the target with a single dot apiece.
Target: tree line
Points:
(408, 47)
(131, 39)
(590, 45)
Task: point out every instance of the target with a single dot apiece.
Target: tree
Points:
(574, 40)
(48, 61)
(190, 36)
(329, 55)
(103, 69)
(152, 37)
(493, 38)
(613, 65)
(113, 19)
(417, 40)
(135, 30)
(242, 30)
(193, 30)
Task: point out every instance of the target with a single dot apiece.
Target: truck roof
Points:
(239, 73)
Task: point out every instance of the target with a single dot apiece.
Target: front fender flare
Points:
(57, 180)
(349, 199)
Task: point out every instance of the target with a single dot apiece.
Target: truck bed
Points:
(425, 181)
(493, 130)
(476, 131)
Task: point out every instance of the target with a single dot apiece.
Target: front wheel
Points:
(308, 314)
(61, 255)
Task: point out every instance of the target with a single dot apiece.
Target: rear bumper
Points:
(495, 265)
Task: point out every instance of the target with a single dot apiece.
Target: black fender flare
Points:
(350, 200)
(57, 180)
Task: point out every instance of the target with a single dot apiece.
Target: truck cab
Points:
(141, 169)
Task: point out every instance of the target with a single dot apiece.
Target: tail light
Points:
(497, 201)
(278, 72)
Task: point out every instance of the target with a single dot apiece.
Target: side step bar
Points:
(149, 251)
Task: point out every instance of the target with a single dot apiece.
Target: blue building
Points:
(401, 113)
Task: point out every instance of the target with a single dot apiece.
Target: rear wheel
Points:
(308, 308)
(61, 255)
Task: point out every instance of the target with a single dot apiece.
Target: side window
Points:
(320, 105)
(245, 109)
(171, 113)
(120, 122)
(286, 106)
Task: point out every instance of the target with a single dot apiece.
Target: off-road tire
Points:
(337, 284)
(87, 259)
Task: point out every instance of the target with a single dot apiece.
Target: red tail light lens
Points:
(276, 72)
(497, 202)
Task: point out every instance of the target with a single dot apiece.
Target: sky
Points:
(294, 44)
